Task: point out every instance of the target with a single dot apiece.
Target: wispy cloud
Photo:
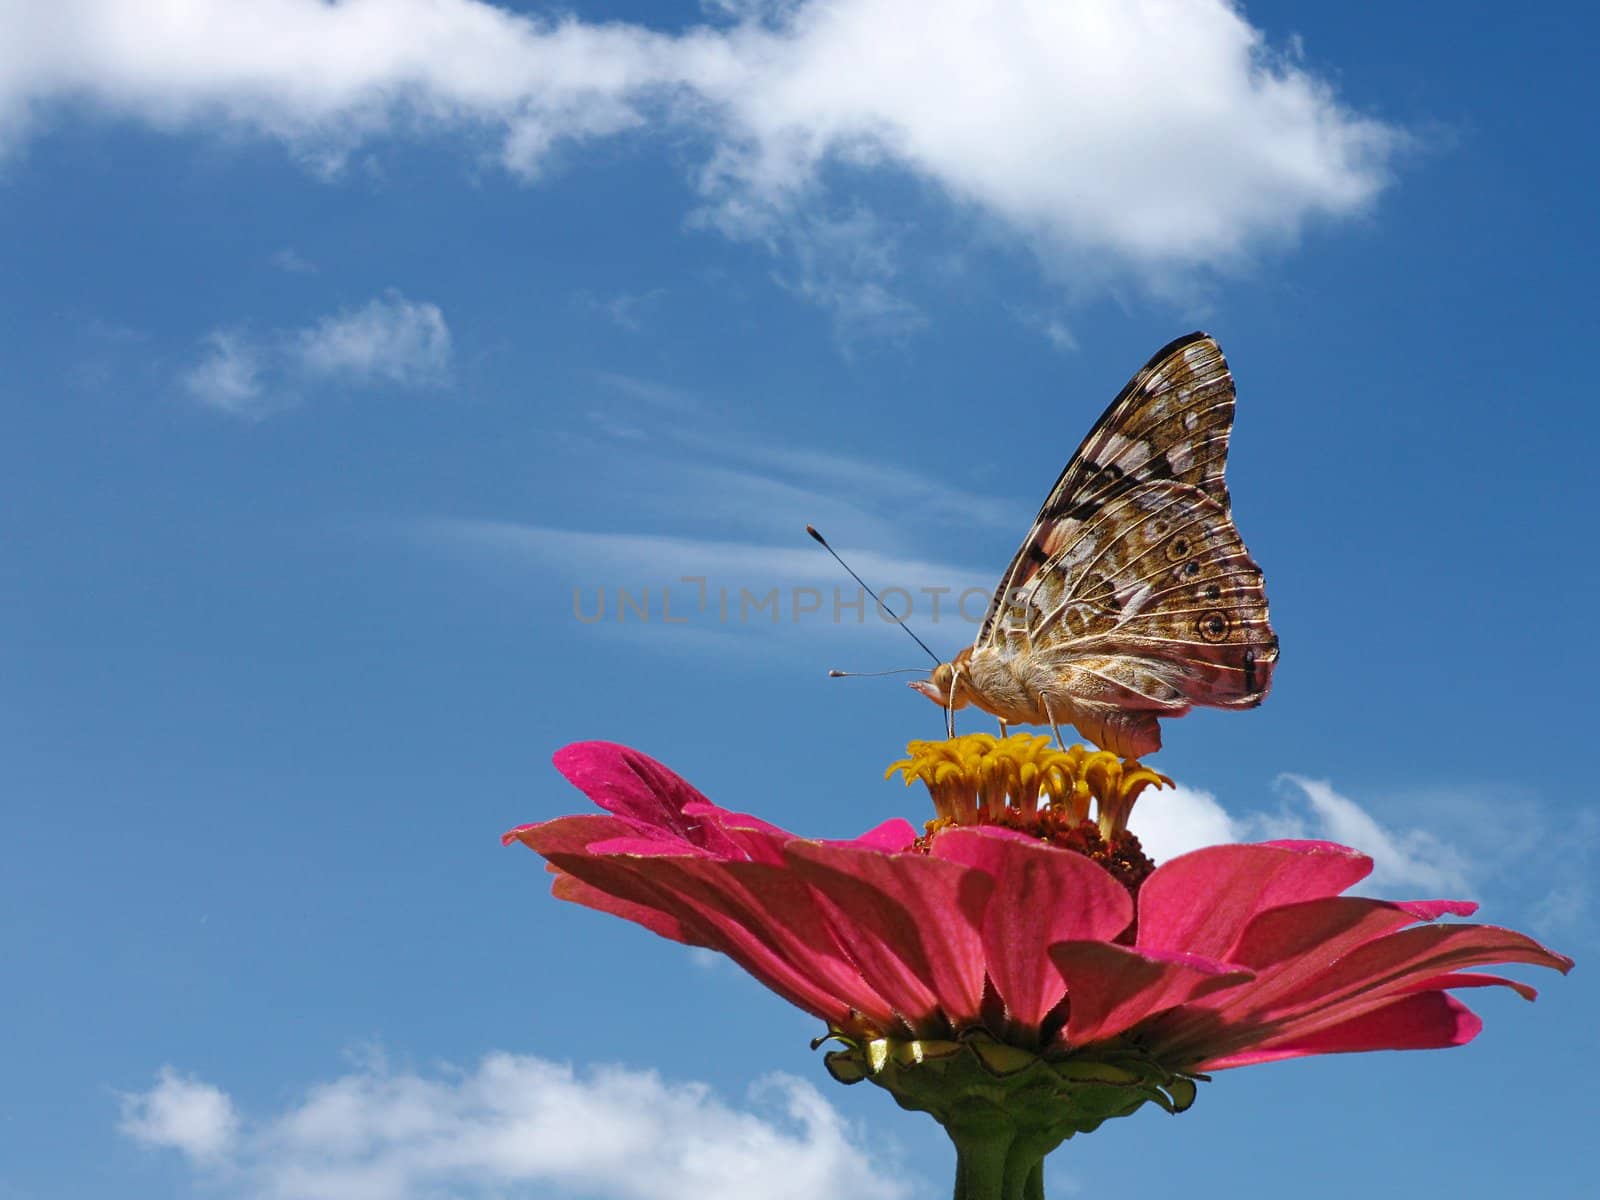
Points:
(626, 310)
(1565, 904)
(517, 1122)
(388, 340)
(799, 107)
(847, 265)
(669, 450)
(228, 376)
(710, 598)
(1416, 858)
(651, 391)
(293, 262)
(1051, 326)
(882, 485)
(636, 561)
(1173, 822)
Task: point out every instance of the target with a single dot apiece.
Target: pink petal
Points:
(895, 834)
(636, 787)
(1295, 943)
(1042, 895)
(1425, 1021)
(768, 921)
(566, 887)
(566, 848)
(652, 847)
(757, 840)
(1366, 980)
(1392, 963)
(1308, 845)
(1324, 962)
(1111, 987)
(1471, 979)
(568, 834)
(1201, 902)
(911, 924)
(780, 939)
(1432, 910)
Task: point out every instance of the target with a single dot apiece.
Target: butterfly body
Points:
(1133, 597)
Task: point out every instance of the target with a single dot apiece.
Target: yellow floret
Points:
(981, 778)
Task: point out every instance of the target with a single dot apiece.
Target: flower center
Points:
(1023, 782)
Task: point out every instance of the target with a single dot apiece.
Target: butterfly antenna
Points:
(835, 673)
(823, 542)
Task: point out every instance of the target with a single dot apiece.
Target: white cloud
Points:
(1415, 858)
(1054, 329)
(1132, 137)
(637, 561)
(709, 598)
(1173, 821)
(182, 1113)
(387, 340)
(228, 376)
(1565, 907)
(846, 265)
(292, 262)
(626, 310)
(522, 1122)
(652, 392)
(825, 479)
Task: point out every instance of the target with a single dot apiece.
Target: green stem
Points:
(994, 1162)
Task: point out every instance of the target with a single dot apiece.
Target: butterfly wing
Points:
(1133, 591)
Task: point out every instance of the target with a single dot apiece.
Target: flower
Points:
(1020, 961)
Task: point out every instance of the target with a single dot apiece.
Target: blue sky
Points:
(347, 348)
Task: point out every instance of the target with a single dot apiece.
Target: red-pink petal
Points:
(1199, 903)
(1432, 910)
(1366, 980)
(650, 847)
(778, 936)
(1042, 895)
(768, 921)
(566, 887)
(1403, 958)
(1472, 979)
(896, 835)
(755, 839)
(568, 834)
(1111, 988)
(1294, 943)
(1423, 1021)
(911, 925)
(638, 788)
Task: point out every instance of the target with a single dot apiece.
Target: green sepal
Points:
(1047, 1098)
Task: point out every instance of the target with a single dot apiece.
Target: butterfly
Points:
(1132, 598)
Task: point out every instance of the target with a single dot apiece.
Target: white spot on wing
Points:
(1119, 448)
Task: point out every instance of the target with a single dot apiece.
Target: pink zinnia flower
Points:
(1016, 948)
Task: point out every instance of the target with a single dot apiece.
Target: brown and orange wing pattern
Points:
(1133, 582)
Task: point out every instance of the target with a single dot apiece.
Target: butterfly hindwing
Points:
(1171, 591)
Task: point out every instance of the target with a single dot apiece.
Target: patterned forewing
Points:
(1171, 422)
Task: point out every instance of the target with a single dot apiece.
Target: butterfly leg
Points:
(1003, 731)
(1054, 725)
